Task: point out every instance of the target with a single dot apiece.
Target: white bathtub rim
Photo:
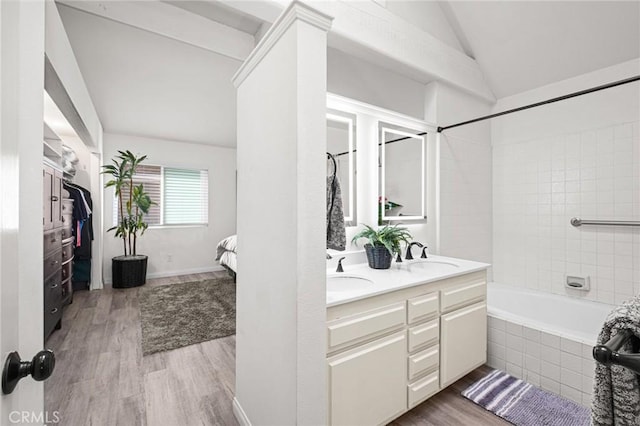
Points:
(539, 326)
(584, 338)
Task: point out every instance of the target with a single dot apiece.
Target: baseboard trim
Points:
(175, 273)
(241, 416)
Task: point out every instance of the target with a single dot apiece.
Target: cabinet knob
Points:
(54, 198)
(54, 310)
(54, 286)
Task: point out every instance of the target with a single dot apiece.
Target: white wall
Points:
(192, 249)
(465, 176)
(364, 81)
(579, 157)
(281, 315)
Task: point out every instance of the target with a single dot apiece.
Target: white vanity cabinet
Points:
(390, 352)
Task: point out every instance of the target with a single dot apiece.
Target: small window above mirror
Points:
(402, 177)
(341, 139)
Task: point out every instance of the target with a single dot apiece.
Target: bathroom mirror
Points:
(402, 162)
(341, 128)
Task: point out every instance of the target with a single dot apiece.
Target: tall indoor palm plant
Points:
(133, 203)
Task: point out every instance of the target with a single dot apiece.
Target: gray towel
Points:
(336, 237)
(616, 390)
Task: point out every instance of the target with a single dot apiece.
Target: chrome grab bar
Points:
(576, 221)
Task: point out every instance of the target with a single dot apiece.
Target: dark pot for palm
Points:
(378, 256)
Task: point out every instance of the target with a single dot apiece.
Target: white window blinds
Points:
(181, 195)
(186, 196)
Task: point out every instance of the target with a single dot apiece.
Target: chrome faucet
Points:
(339, 268)
(409, 256)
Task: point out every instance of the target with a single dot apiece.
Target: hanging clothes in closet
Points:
(83, 234)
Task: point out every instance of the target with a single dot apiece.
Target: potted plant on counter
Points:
(130, 269)
(383, 244)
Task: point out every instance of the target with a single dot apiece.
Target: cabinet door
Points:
(47, 192)
(463, 342)
(56, 199)
(367, 384)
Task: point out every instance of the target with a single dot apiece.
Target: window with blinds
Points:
(181, 195)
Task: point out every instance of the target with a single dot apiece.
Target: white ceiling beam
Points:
(369, 31)
(173, 22)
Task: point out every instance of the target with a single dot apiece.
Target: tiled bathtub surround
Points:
(554, 363)
(539, 184)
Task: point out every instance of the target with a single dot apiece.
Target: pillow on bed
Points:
(229, 244)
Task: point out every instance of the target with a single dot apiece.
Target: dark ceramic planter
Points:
(129, 271)
(378, 256)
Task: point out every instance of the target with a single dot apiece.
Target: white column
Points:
(281, 308)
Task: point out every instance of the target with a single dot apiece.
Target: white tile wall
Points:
(556, 364)
(539, 185)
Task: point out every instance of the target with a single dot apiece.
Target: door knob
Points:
(40, 368)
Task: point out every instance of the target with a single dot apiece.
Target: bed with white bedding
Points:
(227, 254)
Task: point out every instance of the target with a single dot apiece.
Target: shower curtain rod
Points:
(404, 138)
(548, 101)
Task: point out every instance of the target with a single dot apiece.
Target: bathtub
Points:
(544, 338)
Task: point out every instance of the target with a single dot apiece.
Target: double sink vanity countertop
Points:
(359, 281)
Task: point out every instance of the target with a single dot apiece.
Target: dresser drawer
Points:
(65, 272)
(463, 295)
(67, 220)
(52, 264)
(423, 389)
(51, 284)
(365, 325)
(52, 241)
(423, 362)
(67, 232)
(422, 307)
(67, 206)
(67, 252)
(424, 335)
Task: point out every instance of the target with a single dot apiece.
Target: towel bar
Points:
(576, 221)
(607, 354)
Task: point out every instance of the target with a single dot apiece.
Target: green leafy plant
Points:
(133, 205)
(388, 236)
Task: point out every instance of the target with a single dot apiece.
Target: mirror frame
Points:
(349, 119)
(388, 128)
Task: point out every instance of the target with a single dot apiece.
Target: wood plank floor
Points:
(102, 379)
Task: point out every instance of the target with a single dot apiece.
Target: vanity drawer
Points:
(52, 264)
(423, 389)
(463, 295)
(52, 241)
(422, 307)
(424, 334)
(423, 362)
(365, 325)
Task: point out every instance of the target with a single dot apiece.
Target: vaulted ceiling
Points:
(521, 45)
(166, 72)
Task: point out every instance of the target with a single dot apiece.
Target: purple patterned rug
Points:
(524, 404)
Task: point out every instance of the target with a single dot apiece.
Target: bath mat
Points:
(177, 315)
(524, 404)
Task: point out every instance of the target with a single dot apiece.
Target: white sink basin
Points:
(347, 283)
(435, 266)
